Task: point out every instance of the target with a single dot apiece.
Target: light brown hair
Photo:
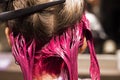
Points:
(49, 21)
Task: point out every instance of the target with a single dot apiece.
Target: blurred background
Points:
(104, 17)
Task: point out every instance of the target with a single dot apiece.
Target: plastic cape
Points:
(61, 49)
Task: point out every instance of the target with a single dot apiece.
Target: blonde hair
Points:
(51, 20)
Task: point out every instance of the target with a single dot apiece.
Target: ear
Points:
(7, 33)
(84, 46)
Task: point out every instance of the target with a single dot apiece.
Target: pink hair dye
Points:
(58, 56)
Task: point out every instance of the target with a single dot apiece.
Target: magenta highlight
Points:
(58, 56)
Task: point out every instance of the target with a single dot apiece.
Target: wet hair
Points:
(46, 23)
(64, 26)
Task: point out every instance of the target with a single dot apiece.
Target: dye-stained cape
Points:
(61, 49)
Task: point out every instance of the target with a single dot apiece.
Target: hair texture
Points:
(46, 23)
(59, 56)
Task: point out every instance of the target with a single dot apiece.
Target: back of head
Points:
(48, 22)
(42, 26)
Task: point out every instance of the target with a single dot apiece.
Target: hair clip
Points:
(9, 15)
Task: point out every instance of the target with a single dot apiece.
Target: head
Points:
(44, 24)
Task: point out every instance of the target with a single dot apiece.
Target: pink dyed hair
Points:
(63, 48)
